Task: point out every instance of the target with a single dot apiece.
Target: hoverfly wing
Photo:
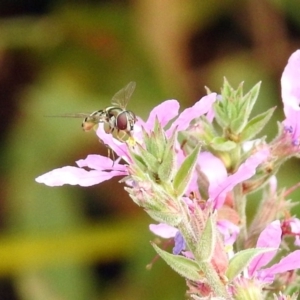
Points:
(122, 97)
(76, 115)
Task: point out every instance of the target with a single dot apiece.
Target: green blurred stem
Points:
(240, 206)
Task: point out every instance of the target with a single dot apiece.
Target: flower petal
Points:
(200, 108)
(165, 112)
(244, 172)
(100, 163)
(269, 238)
(229, 231)
(118, 147)
(213, 168)
(290, 84)
(290, 92)
(179, 243)
(288, 263)
(76, 176)
(163, 230)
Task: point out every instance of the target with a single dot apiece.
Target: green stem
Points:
(214, 281)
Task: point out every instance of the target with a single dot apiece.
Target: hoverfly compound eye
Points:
(122, 121)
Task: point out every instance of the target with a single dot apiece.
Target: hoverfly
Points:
(117, 120)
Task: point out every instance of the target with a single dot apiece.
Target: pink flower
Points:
(291, 226)
(102, 168)
(166, 231)
(229, 231)
(290, 92)
(271, 238)
(96, 168)
(163, 230)
(203, 106)
(221, 185)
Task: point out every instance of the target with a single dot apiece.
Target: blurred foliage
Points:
(72, 56)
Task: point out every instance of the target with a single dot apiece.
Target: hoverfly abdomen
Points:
(93, 119)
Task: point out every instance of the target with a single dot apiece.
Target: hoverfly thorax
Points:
(119, 121)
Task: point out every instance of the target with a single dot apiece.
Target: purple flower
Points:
(179, 243)
(166, 231)
(290, 92)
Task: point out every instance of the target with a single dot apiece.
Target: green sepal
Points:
(167, 167)
(222, 144)
(149, 160)
(148, 141)
(234, 110)
(225, 110)
(256, 124)
(158, 141)
(155, 141)
(167, 217)
(242, 259)
(185, 172)
(250, 98)
(185, 267)
(222, 113)
(138, 160)
(244, 106)
(205, 135)
(207, 243)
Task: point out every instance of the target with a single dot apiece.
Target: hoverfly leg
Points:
(111, 154)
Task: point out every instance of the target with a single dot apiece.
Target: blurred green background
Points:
(72, 243)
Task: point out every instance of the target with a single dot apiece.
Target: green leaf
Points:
(242, 259)
(185, 267)
(206, 244)
(185, 172)
(256, 124)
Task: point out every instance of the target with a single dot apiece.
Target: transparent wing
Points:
(76, 115)
(122, 97)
